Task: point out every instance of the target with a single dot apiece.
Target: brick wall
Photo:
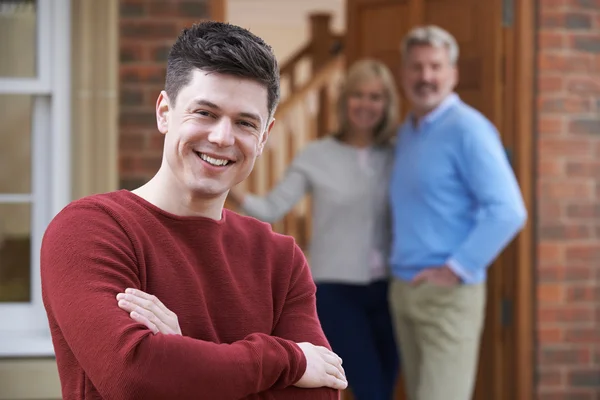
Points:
(147, 29)
(569, 199)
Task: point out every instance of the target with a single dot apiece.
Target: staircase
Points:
(310, 80)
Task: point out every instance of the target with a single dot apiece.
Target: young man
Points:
(243, 294)
(456, 204)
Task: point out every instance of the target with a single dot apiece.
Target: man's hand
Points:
(323, 368)
(149, 311)
(440, 276)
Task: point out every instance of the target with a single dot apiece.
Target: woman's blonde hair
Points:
(358, 73)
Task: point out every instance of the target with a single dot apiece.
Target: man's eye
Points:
(248, 124)
(203, 113)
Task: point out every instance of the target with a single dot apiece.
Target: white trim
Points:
(61, 106)
(28, 344)
(15, 198)
(24, 86)
(25, 332)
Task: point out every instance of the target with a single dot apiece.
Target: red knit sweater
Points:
(243, 295)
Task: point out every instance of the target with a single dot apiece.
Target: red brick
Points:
(579, 335)
(549, 210)
(132, 8)
(584, 5)
(564, 314)
(586, 43)
(584, 85)
(550, 293)
(566, 394)
(132, 141)
(553, 4)
(588, 253)
(562, 274)
(551, 83)
(584, 294)
(568, 190)
(562, 104)
(142, 73)
(564, 147)
(148, 30)
(551, 125)
(588, 378)
(551, 376)
(585, 125)
(585, 211)
(552, 40)
(550, 335)
(551, 167)
(565, 62)
(562, 231)
(565, 356)
(163, 9)
(583, 169)
(549, 252)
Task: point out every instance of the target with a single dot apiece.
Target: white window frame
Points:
(24, 330)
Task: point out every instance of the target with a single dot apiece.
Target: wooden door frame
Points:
(521, 63)
(218, 10)
(524, 89)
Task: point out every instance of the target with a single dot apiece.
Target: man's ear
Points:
(265, 136)
(162, 112)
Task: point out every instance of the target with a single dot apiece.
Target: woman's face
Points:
(366, 105)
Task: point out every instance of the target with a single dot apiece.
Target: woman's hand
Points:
(148, 310)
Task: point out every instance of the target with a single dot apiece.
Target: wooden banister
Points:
(317, 82)
(305, 112)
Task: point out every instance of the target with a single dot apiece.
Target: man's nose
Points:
(427, 74)
(222, 133)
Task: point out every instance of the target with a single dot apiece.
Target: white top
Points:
(350, 237)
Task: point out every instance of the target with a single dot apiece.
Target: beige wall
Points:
(283, 23)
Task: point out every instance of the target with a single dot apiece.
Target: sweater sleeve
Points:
(501, 210)
(280, 200)
(299, 323)
(86, 259)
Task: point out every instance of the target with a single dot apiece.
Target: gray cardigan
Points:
(350, 212)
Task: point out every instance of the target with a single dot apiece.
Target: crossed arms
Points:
(85, 265)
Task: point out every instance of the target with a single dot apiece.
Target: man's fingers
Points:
(421, 277)
(325, 351)
(336, 383)
(144, 321)
(335, 371)
(145, 301)
(151, 299)
(146, 317)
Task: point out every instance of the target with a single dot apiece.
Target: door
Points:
(375, 29)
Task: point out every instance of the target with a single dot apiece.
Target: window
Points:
(35, 171)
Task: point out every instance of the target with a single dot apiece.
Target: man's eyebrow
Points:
(249, 115)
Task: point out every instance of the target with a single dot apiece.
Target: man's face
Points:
(428, 77)
(215, 131)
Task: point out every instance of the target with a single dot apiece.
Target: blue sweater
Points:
(454, 197)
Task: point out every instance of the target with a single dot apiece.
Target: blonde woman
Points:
(347, 176)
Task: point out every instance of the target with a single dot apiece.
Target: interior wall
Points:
(283, 24)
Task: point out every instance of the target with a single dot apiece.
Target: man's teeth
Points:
(214, 161)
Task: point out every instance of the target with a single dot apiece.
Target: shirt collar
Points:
(439, 110)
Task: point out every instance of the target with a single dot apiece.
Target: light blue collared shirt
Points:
(454, 197)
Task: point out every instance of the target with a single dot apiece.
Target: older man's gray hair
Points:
(430, 35)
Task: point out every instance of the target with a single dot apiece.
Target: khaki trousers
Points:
(438, 331)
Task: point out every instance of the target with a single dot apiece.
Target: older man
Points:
(456, 204)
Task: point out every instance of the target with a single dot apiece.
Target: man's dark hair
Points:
(226, 49)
